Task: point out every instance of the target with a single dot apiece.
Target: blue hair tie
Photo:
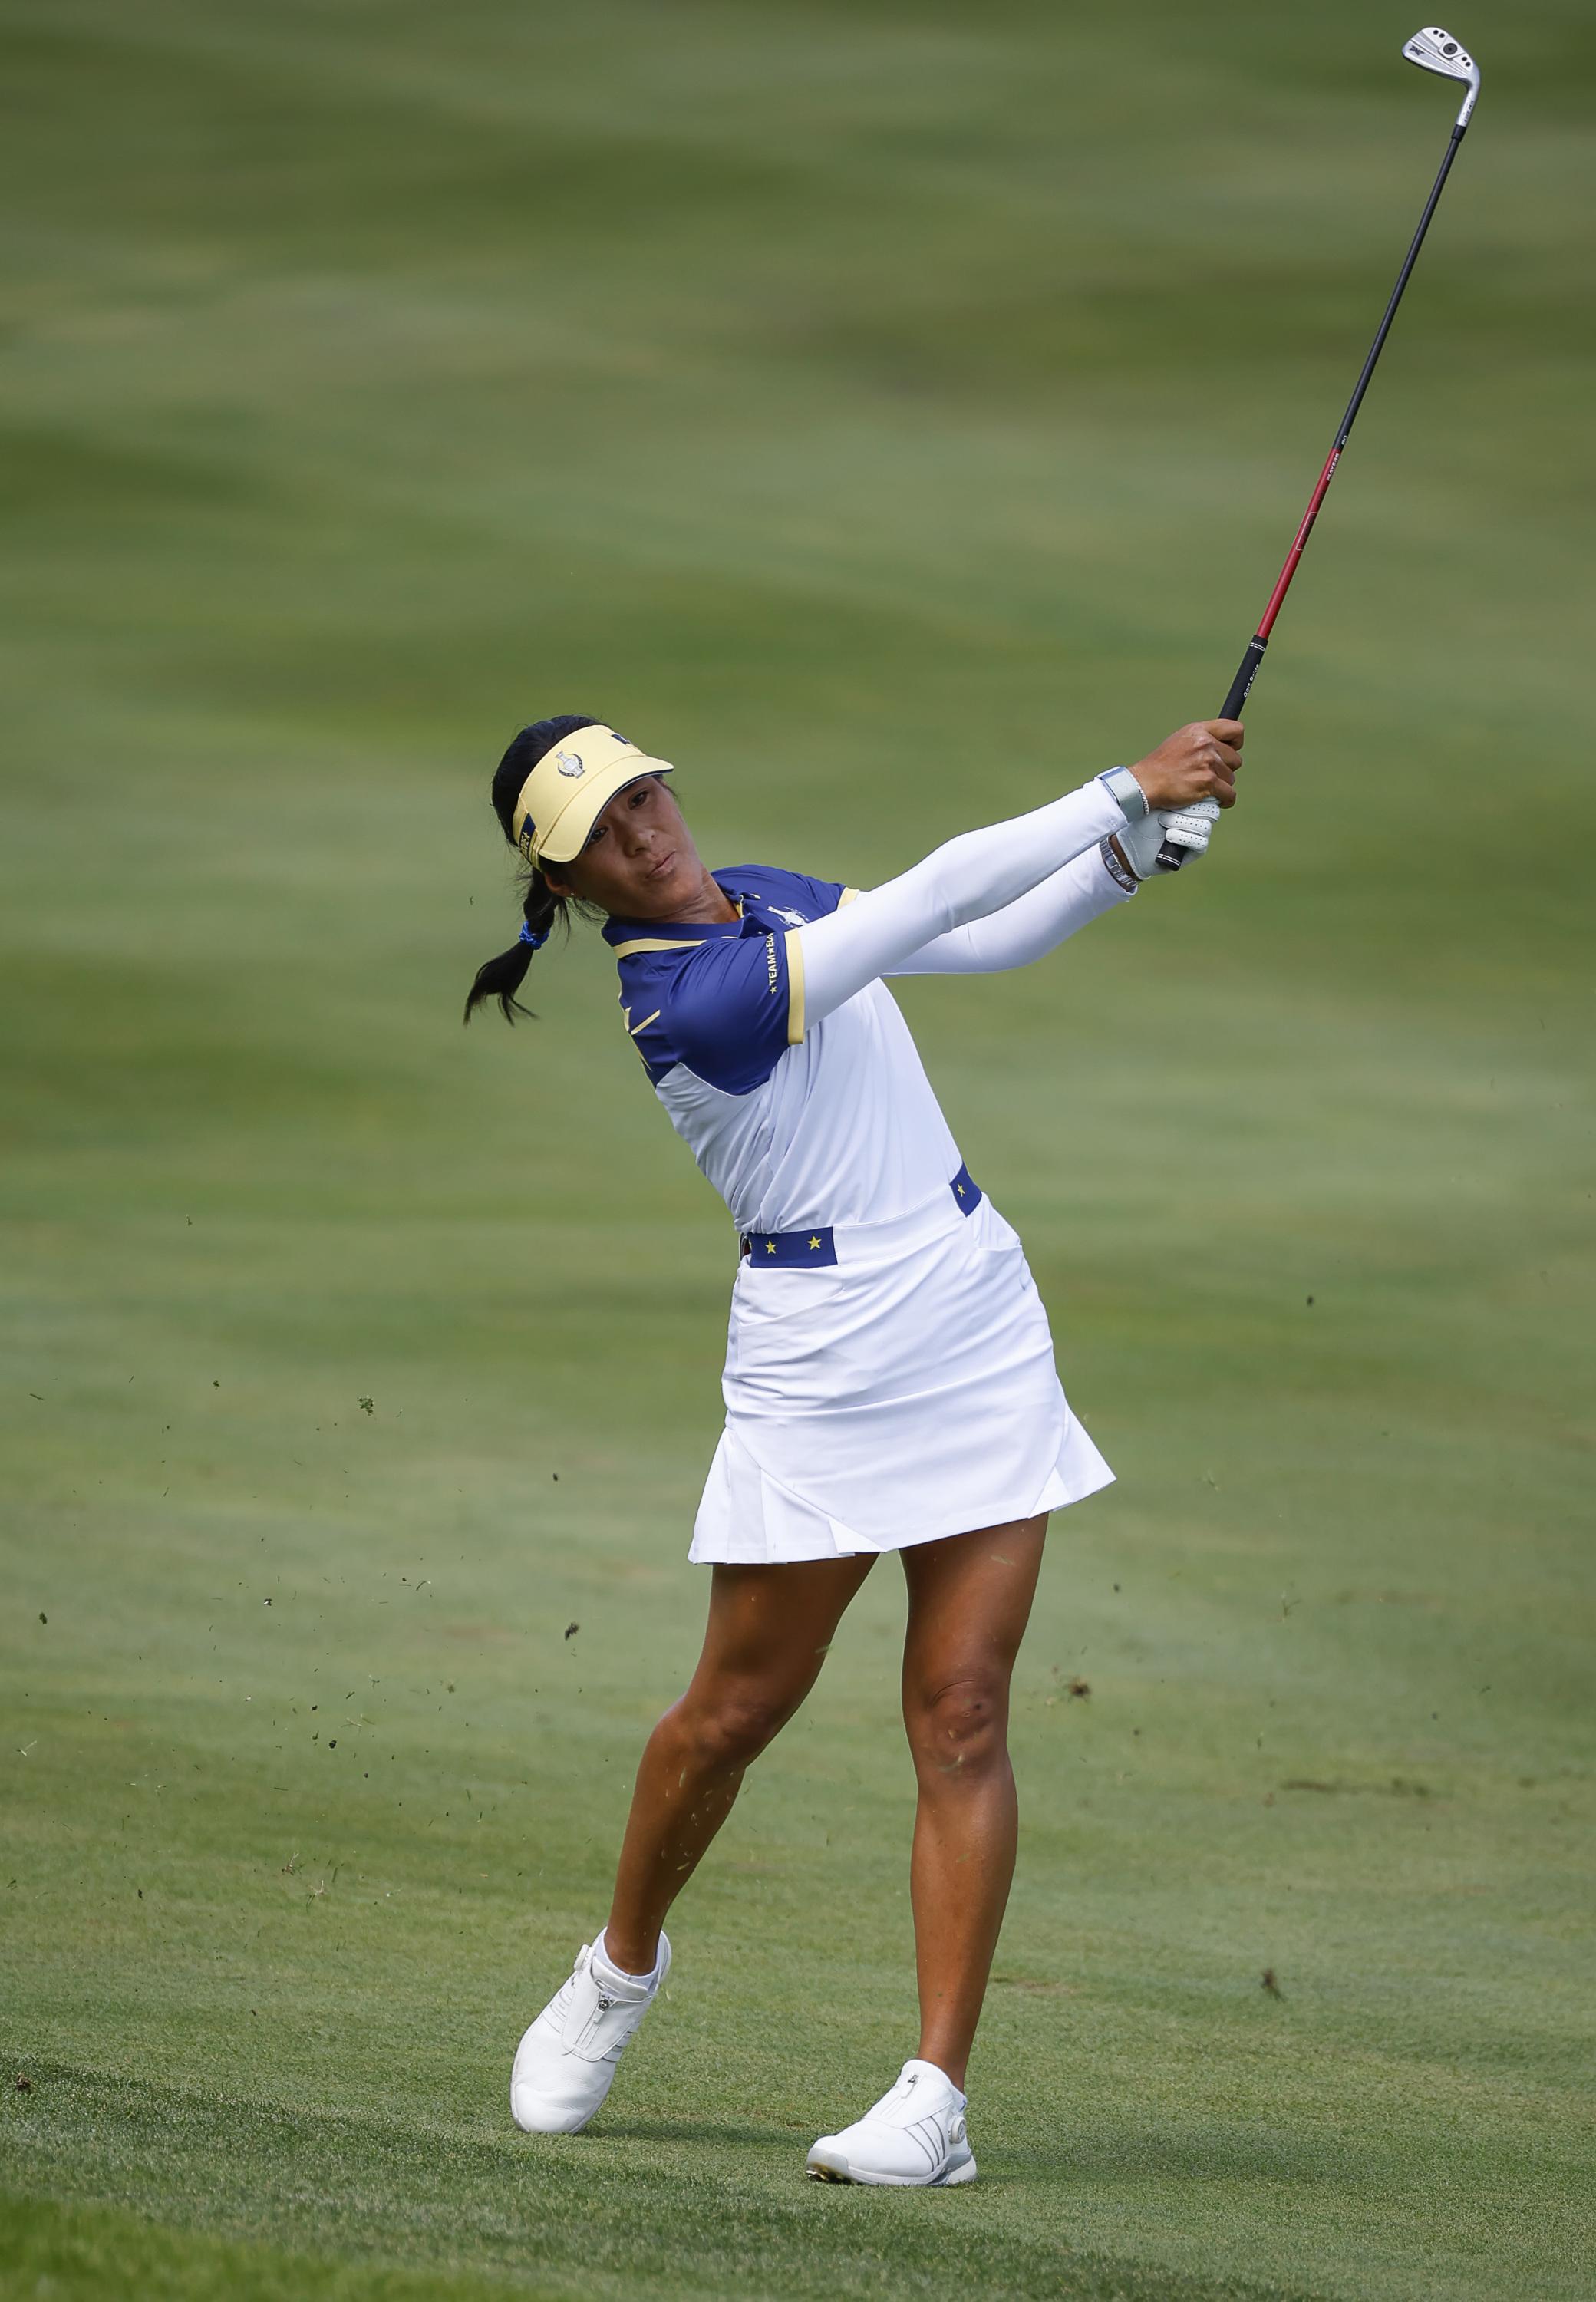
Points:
(529, 935)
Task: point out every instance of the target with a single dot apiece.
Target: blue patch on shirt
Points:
(717, 1000)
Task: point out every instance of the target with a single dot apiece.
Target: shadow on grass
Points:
(663, 2208)
(1174, 2156)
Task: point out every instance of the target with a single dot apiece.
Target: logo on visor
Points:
(569, 763)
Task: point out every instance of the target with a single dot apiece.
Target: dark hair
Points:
(502, 976)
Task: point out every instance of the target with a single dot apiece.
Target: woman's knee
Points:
(958, 1726)
(729, 1725)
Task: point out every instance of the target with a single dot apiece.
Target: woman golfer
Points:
(890, 1380)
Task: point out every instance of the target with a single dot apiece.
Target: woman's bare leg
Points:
(768, 1634)
(969, 1600)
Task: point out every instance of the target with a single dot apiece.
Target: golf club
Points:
(1432, 50)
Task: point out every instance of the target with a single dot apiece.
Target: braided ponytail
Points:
(501, 977)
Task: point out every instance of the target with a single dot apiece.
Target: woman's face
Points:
(640, 861)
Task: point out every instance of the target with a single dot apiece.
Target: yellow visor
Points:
(569, 789)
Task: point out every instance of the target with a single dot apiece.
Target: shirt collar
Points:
(685, 931)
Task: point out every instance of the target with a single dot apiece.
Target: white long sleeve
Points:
(972, 877)
(1026, 929)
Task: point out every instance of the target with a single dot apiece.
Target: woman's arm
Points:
(984, 872)
(1028, 928)
(980, 872)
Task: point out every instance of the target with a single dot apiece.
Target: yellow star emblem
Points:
(960, 1188)
(769, 1247)
(814, 1242)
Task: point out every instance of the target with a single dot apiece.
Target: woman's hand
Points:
(1198, 761)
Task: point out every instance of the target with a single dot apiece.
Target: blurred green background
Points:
(891, 412)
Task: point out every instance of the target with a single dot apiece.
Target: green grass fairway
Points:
(892, 412)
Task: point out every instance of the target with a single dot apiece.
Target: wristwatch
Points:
(1132, 799)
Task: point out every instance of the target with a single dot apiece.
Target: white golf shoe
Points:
(913, 2138)
(565, 2064)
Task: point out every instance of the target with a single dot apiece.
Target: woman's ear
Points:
(557, 887)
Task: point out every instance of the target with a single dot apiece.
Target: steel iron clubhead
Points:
(1435, 50)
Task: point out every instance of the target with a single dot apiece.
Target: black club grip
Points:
(1169, 855)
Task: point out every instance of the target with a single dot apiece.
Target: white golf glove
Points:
(1190, 828)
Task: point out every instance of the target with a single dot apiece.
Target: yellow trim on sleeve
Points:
(633, 1029)
(849, 895)
(794, 989)
(656, 943)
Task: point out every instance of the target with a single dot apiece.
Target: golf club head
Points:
(1435, 50)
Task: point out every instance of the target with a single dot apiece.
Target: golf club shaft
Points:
(1170, 856)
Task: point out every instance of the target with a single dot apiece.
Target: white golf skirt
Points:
(905, 1393)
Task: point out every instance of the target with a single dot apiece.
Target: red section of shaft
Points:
(1300, 545)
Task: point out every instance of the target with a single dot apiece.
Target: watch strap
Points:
(1132, 799)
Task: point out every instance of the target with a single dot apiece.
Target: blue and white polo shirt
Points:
(793, 1123)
